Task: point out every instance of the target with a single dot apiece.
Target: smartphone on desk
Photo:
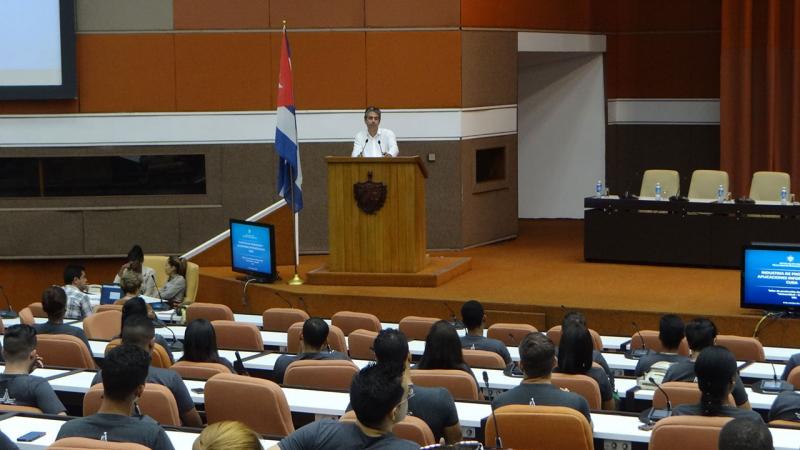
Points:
(30, 437)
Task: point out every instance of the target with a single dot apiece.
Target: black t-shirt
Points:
(117, 428)
(542, 394)
(646, 362)
(684, 371)
(726, 411)
(30, 390)
(330, 434)
(486, 344)
(283, 361)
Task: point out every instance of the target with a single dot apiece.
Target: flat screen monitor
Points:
(770, 277)
(253, 250)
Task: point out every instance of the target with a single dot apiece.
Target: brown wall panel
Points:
(413, 13)
(328, 68)
(223, 71)
(572, 15)
(113, 232)
(663, 65)
(39, 107)
(611, 16)
(317, 13)
(126, 72)
(488, 68)
(42, 232)
(414, 69)
(124, 15)
(216, 14)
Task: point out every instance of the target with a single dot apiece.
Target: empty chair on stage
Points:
(669, 179)
(766, 186)
(705, 183)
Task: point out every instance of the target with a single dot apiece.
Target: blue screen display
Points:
(250, 248)
(771, 278)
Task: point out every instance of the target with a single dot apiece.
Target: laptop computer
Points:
(109, 293)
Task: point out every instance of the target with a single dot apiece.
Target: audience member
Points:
(443, 350)
(138, 330)
(537, 356)
(17, 385)
(200, 344)
(786, 407)
(597, 356)
(475, 320)
(137, 306)
(313, 346)
(575, 357)
(131, 284)
(227, 435)
(125, 369)
(54, 303)
(379, 397)
(136, 265)
(700, 334)
(716, 371)
(174, 290)
(75, 285)
(434, 405)
(745, 434)
(670, 333)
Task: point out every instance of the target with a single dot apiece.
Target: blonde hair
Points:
(130, 281)
(228, 435)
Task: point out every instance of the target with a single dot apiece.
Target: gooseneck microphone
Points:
(163, 306)
(284, 299)
(498, 441)
(775, 385)
(639, 352)
(175, 345)
(658, 414)
(7, 313)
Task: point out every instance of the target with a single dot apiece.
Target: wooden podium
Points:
(376, 226)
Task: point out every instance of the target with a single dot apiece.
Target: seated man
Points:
(380, 400)
(786, 407)
(17, 385)
(670, 333)
(434, 405)
(75, 285)
(537, 356)
(475, 320)
(745, 434)
(313, 346)
(139, 331)
(54, 303)
(124, 372)
(701, 333)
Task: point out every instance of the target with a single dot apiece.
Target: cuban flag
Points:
(286, 134)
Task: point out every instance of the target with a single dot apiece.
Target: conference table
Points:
(690, 233)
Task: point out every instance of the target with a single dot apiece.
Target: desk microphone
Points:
(498, 442)
(658, 414)
(457, 324)
(7, 313)
(175, 345)
(163, 306)
(513, 339)
(775, 385)
(303, 305)
(284, 299)
(639, 352)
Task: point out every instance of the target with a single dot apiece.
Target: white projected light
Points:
(30, 43)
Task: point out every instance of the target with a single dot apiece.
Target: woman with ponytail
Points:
(716, 370)
(174, 290)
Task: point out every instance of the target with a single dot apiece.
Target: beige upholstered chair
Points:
(156, 401)
(280, 319)
(335, 338)
(680, 393)
(767, 185)
(483, 359)
(510, 334)
(157, 262)
(743, 348)
(260, 404)
(199, 370)
(26, 316)
(416, 327)
(687, 432)
(553, 426)
(669, 179)
(652, 342)
(411, 428)
(349, 321)
(555, 335)
(79, 443)
(64, 350)
(360, 343)
(159, 355)
(238, 336)
(103, 326)
(582, 385)
(208, 311)
(705, 183)
(320, 374)
(460, 384)
(794, 378)
(37, 309)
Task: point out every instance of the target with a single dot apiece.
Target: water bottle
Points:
(598, 189)
(784, 196)
(658, 191)
(720, 194)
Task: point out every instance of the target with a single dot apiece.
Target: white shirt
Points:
(383, 143)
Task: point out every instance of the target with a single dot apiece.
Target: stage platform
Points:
(525, 279)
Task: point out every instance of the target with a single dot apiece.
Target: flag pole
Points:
(296, 280)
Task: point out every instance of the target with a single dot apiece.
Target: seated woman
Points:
(174, 290)
(200, 344)
(54, 303)
(575, 357)
(130, 282)
(136, 264)
(715, 368)
(228, 435)
(443, 350)
(137, 306)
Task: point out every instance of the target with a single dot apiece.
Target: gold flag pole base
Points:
(296, 280)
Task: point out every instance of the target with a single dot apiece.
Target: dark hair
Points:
(124, 369)
(536, 353)
(575, 349)
(18, 342)
(136, 254)
(315, 332)
(472, 314)
(138, 330)
(374, 392)
(391, 349)
(71, 272)
(745, 434)
(573, 316)
(54, 302)
(200, 342)
(700, 333)
(715, 368)
(374, 109)
(670, 331)
(179, 264)
(442, 348)
(135, 306)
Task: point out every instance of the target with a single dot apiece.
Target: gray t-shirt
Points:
(646, 362)
(50, 328)
(542, 394)
(6, 444)
(171, 380)
(793, 362)
(484, 343)
(117, 428)
(283, 361)
(726, 411)
(330, 434)
(29, 390)
(684, 371)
